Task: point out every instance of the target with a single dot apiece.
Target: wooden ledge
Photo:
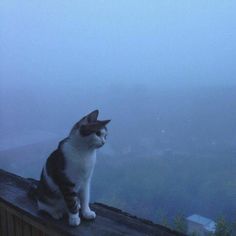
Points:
(19, 216)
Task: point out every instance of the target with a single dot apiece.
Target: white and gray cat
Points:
(64, 186)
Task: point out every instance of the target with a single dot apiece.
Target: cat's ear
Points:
(103, 122)
(93, 116)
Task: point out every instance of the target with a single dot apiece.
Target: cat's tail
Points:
(33, 189)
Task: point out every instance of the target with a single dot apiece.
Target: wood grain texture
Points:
(10, 224)
(37, 232)
(1, 234)
(18, 226)
(4, 228)
(27, 229)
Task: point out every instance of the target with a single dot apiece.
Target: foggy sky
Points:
(102, 42)
(61, 59)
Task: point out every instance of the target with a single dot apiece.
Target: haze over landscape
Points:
(163, 71)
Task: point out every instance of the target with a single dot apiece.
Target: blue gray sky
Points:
(103, 42)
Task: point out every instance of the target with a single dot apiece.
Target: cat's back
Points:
(56, 161)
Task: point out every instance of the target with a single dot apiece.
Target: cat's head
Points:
(90, 131)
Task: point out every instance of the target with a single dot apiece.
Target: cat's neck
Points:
(79, 149)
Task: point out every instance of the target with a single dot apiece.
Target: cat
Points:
(64, 186)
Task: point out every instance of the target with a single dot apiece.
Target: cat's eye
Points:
(98, 133)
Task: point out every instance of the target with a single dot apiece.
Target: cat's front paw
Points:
(89, 215)
(74, 219)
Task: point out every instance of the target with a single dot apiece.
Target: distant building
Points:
(200, 225)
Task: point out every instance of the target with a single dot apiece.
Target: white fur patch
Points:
(89, 215)
(79, 164)
(74, 219)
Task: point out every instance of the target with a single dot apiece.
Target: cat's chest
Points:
(79, 164)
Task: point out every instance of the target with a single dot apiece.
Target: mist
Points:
(162, 71)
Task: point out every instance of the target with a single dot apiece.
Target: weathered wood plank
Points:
(27, 229)
(11, 210)
(40, 226)
(0, 223)
(3, 221)
(1, 233)
(109, 221)
(18, 226)
(21, 219)
(37, 232)
(10, 224)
